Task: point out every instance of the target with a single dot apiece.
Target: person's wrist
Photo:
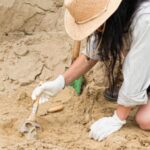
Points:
(116, 117)
(123, 112)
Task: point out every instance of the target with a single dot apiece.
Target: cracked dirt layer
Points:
(30, 16)
(34, 56)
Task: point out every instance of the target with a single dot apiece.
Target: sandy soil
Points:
(27, 59)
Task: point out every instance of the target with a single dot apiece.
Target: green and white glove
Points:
(105, 126)
(48, 89)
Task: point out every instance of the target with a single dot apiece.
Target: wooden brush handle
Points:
(35, 107)
(76, 50)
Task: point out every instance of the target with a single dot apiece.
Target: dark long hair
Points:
(112, 43)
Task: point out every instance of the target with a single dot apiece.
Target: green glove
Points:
(78, 85)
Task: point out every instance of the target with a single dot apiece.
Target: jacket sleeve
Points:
(136, 68)
(91, 50)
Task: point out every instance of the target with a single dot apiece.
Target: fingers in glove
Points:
(49, 93)
(99, 123)
(98, 135)
(93, 133)
(43, 99)
(102, 134)
(107, 131)
(36, 92)
(102, 137)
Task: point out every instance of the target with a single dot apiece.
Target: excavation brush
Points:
(29, 128)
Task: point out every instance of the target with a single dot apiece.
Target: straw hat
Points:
(83, 17)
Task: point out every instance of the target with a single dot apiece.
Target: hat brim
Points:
(81, 31)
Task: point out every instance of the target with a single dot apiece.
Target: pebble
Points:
(56, 108)
(21, 51)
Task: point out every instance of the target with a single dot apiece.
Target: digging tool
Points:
(35, 107)
(76, 50)
(77, 84)
(30, 126)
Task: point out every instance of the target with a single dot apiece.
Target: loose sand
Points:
(34, 48)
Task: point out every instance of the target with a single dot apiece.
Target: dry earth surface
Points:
(34, 47)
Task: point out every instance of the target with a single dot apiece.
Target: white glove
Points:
(105, 126)
(48, 89)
